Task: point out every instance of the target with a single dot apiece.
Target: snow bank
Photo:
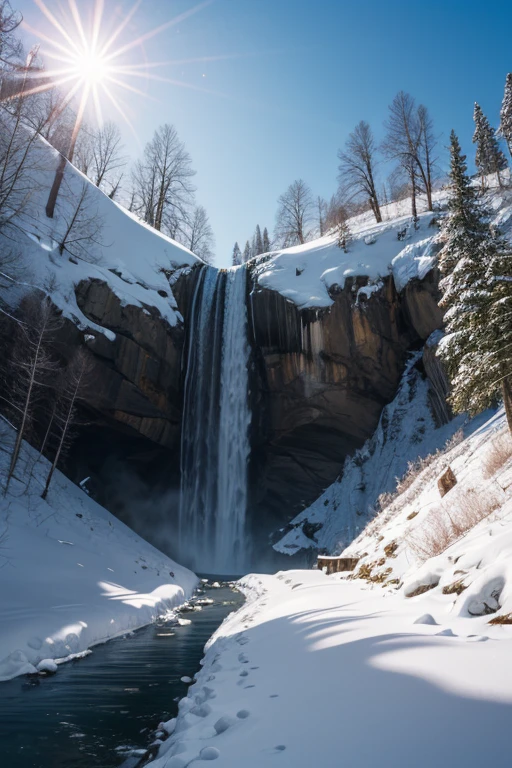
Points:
(126, 253)
(317, 671)
(71, 574)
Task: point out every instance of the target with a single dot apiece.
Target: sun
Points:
(92, 68)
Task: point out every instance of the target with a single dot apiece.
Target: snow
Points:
(336, 670)
(71, 574)
(128, 255)
(306, 274)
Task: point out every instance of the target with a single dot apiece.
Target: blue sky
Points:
(301, 74)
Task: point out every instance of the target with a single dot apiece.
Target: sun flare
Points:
(94, 65)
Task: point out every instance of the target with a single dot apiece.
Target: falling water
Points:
(216, 418)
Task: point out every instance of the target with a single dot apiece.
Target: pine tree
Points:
(247, 253)
(237, 255)
(258, 242)
(498, 342)
(489, 157)
(505, 128)
(468, 249)
(266, 241)
(343, 236)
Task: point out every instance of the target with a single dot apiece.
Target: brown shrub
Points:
(498, 455)
(444, 526)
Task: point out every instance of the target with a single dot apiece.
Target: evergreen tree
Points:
(498, 342)
(237, 255)
(247, 253)
(343, 236)
(258, 242)
(505, 128)
(489, 157)
(266, 241)
(470, 249)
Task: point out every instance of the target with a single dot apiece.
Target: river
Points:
(84, 715)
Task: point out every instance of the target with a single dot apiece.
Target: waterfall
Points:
(216, 419)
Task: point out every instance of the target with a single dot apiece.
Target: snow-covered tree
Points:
(236, 259)
(505, 128)
(247, 253)
(498, 346)
(470, 248)
(489, 157)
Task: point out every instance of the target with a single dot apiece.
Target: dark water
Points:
(114, 697)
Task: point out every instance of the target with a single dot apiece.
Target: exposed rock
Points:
(446, 482)
(322, 379)
(138, 375)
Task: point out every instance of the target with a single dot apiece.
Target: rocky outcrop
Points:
(137, 376)
(322, 378)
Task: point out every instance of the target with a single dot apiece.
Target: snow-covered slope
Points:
(71, 574)
(114, 245)
(457, 548)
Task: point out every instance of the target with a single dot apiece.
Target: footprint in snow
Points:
(242, 714)
(274, 696)
(243, 673)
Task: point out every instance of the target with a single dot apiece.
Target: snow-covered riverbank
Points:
(71, 574)
(404, 663)
(317, 671)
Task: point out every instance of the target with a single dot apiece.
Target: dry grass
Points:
(444, 526)
(504, 619)
(415, 469)
(498, 455)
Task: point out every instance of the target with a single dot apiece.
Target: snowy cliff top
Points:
(111, 245)
(305, 273)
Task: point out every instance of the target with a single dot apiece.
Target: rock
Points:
(446, 482)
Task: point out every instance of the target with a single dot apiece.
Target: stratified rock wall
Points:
(324, 377)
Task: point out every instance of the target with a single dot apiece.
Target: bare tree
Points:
(198, 235)
(99, 154)
(31, 365)
(428, 144)
(71, 385)
(336, 213)
(357, 168)
(161, 180)
(295, 214)
(10, 45)
(83, 228)
(409, 137)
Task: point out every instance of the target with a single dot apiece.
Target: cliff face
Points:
(319, 380)
(322, 379)
(137, 377)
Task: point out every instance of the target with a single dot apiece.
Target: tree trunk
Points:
(506, 388)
